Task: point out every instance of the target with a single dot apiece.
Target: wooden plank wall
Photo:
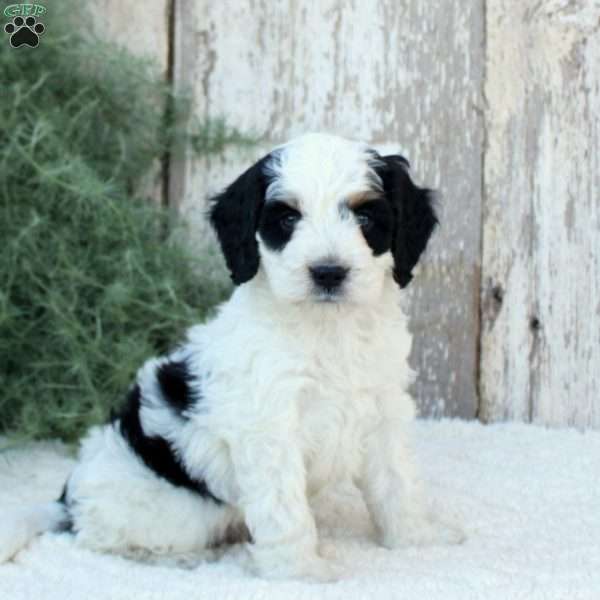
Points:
(144, 32)
(541, 244)
(496, 104)
(357, 69)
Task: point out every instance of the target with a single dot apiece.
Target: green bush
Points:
(92, 279)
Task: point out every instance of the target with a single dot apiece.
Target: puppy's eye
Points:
(364, 220)
(288, 220)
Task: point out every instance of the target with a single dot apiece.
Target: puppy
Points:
(299, 381)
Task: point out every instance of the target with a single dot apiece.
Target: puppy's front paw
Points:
(313, 570)
(422, 532)
(320, 570)
(310, 568)
(328, 549)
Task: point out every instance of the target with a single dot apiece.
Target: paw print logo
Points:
(24, 32)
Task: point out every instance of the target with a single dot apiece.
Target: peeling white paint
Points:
(542, 223)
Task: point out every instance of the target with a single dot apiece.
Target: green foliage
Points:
(90, 283)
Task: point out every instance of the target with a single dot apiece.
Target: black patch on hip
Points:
(155, 451)
(176, 384)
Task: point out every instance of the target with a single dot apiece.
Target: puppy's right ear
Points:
(234, 215)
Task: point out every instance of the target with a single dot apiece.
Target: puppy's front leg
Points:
(392, 490)
(271, 477)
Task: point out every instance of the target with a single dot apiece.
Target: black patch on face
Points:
(175, 381)
(377, 224)
(156, 452)
(277, 223)
(414, 217)
(234, 215)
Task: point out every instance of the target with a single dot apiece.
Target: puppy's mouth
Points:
(327, 296)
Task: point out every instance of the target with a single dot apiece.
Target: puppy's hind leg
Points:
(118, 505)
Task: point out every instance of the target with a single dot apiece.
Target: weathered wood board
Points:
(541, 240)
(144, 31)
(403, 75)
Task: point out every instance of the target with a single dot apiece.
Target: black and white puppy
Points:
(299, 381)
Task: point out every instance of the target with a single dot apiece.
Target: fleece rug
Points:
(527, 498)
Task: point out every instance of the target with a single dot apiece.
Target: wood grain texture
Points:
(403, 75)
(541, 244)
(144, 31)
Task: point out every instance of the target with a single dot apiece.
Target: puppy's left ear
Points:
(234, 215)
(415, 218)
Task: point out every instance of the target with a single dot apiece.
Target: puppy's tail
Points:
(19, 527)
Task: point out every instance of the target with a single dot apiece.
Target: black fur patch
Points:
(414, 216)
(67, 524)
(155, 451)
(276, 225)
(234, 215)
(379, 233)
(175, 382)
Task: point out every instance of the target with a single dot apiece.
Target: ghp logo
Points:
(25, 28)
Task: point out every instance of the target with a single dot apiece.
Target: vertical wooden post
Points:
(541, 251)
(144, 30)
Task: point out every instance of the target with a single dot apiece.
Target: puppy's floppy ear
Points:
(415, 218)
(234, 215)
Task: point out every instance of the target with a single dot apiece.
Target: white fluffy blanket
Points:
(528, 499)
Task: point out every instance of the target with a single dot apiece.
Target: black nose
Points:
(328, 276)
